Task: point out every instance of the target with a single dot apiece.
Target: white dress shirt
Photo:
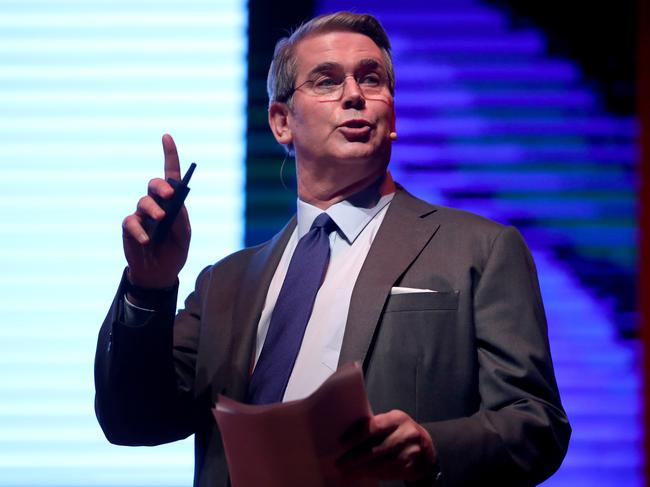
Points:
(349, 246)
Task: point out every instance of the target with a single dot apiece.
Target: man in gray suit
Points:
(441, 307)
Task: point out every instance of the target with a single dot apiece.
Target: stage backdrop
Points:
(86, 91)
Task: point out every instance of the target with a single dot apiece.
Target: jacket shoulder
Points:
(468, 221)
(452, 217)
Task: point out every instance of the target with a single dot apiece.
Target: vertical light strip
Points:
(87, 88)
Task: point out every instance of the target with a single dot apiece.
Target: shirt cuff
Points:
(149, 301)
(135, 315)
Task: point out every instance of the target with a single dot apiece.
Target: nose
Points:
(352, 94)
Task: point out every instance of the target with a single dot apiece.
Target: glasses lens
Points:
(332, 89)
(367, 90)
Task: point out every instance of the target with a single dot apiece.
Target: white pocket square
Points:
(410, 290)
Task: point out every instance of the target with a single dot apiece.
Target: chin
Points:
(356, 151)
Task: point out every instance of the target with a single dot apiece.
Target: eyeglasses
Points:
(330, 87)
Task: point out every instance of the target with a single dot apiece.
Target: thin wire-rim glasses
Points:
(330, 87)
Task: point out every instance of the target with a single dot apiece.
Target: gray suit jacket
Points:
(471, 362)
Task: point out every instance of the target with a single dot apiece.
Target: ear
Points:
(279, 123)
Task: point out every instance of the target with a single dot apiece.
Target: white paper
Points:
(294, 444)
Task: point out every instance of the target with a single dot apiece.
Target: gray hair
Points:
(282, 73)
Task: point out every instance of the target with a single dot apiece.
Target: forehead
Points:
(337, 47)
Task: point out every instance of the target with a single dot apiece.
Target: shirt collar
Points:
(351, 215)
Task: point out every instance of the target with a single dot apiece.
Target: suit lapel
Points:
(407, 227)
(249, 304)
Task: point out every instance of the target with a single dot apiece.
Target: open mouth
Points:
(357, 130)
(356, 124)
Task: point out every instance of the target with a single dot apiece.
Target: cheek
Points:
(315, 125)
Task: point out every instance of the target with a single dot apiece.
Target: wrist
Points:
(146, 296)
(149, 281)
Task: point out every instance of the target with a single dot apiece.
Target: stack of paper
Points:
(294, 444)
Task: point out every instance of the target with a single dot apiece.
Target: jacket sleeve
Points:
(520, 433)
(144, 372)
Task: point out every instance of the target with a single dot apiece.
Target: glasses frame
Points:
(337, 90)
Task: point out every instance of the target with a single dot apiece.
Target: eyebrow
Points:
(322, 67)
(371, 63)
(365, 63)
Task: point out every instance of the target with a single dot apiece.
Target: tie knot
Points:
(325, 222)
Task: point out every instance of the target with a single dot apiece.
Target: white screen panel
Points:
(87, 88)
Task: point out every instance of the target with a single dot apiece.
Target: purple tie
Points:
(291, 313)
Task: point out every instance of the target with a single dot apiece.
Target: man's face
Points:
(352, 129)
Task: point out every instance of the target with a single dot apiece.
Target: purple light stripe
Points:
(533, 181)
(443, 28)
(580, 379)
(425, 71)
(583, 476)
(461, 59)
(587, 471)
(604, 244)
(550, 71)
(560, 329)
(468, 126)
(433, 155)
(529, 43)
(567, 98)
(601, 351)
(615, 456)
(434, 98)
(543, 208)
(600, 429)
(511, 153)
(621, 443)
(582, 405)
(434, 19)
(541, 72)
(602, 237)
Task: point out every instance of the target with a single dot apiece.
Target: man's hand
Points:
(156, 265)
(389, 446)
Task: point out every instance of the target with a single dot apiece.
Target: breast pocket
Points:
(447, 300)
(413, 330)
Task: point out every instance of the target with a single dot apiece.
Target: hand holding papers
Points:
(294, 444)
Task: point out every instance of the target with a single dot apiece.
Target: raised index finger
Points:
(172, 164)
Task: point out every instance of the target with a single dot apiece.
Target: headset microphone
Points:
(392, 136)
